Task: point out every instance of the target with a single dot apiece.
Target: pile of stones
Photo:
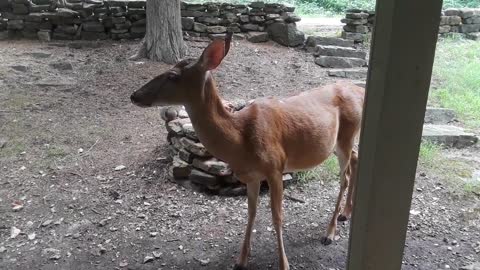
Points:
(261, 20)
(191, 165)
(340, 56)
(461, 21)
(116, 19)
(358, 24)
(75, 19)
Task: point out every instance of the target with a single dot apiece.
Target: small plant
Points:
(429, 152)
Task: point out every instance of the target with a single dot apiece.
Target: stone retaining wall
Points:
(99, 19)
(191, 164)
(359, 23)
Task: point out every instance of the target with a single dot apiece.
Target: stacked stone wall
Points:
(359, 23)
(113, 19)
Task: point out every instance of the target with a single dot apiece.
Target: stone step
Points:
(339, 62)
(339, 51)
(348, 73)
(313, 41)
(473, 36)
(448, 136)
(439, 116)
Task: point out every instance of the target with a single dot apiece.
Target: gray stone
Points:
(351, 73)
(61, 65)
(65, 12)
(94, 35)
(233, 191)
(176, 126)
(290, 17)
(213, 166)
(339, 51)
(469, 28)
(356, 37)
(52, 254)
(235, 28)
(472, 20)
(244, 18)
(473, 36)
(439, 116)
(186, 156)
(19, 9)
(189, 131)
(118, 20)
(3, 35)
(15, 24)
(356, 28)
(136, 4)
(272, 16)
(449, 136)
(187, 23)
(202, 178)
(249, 27)
(257, 37)
(313, 41)
(450, 20)
(138, 30)
(68, 29)
(126, 25)
(354, 21)
(452, 12)
(193, 13)
(286, 34)
(179, 169)
(474, 266)
(469, 12)
(258, 4)
(194, 147)
(93, 27)
(339, 62)
(20, 68)
(216, 29)
(257, 19)
(442, 29)
(361, 15)
(199, 27)
(209, 20)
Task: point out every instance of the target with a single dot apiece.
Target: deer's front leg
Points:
(276, 199)
(253, 189)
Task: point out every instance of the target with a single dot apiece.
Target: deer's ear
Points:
(213, 55)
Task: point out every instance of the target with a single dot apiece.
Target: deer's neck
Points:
(215, 126)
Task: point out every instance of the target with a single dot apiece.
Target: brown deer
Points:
(268, 137)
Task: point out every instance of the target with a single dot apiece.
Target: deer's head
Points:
(184, 81)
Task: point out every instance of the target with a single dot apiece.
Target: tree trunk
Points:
(164, 38)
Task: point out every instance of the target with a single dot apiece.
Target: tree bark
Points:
(164, 38)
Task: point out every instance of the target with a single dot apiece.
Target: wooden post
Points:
(397, 89)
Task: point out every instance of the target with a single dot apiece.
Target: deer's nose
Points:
(133, 98)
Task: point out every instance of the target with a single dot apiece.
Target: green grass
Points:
(327, 171)
(429, 153)
(456, 73)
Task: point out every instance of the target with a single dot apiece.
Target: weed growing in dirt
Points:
(429, 153)
(457, 72)
(327, 171)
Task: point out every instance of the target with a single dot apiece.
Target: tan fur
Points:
(269, 136)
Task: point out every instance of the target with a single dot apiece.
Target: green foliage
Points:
(456, 73)
(429, 152)
(327, 171)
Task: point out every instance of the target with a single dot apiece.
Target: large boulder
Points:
(286, 34)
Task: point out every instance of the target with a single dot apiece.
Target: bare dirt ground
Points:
(63, 131)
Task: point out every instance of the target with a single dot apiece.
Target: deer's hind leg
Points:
(347, 210)
(343, 152)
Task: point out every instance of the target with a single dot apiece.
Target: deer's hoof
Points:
(326, 241)
(342, 218)
(239, 267)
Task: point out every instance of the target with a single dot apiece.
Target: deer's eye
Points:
(172, 76)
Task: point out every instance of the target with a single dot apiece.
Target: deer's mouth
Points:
(135, 100)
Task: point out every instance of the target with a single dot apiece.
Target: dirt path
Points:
(67, 129)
